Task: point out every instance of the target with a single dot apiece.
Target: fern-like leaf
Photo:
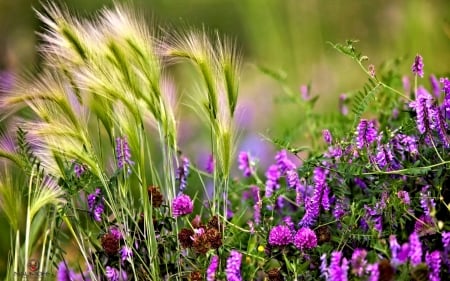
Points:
(364, 97)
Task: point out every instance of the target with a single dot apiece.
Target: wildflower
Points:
(320, 197)
(342, 106)
(79, 169)
(126, 253)
(212, 268)
(280, 235)
(424, 225)
(417, 67)
(113, 274)
(123, 154)
(305, 238)
(64, 273)
(366, 133)
(95, 204)
(439, 125)
(435, 86)
(327, 136)
(304, 90)
(359, 262)
(415, 249)
(371, 70)
(292, 178)
(245, 164)
(324, 267)
(233, 268)
(406, 84)
(423, 105)
(155, 196)
(372, 269)
(283, 162)
(210, 164)
(182, 205)
(183, 173)
(115, 232)
(433, 262)
(338, 267)
(359, 182)
(273, 175)
(426, 202)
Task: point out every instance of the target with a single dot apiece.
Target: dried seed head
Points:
(274, 275)
(196, 276)
(185, 237)
(110, 244)
(155, 196)
(323, 234)
(214, 237)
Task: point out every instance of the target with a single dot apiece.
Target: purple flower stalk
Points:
(182, 205)
(233, 269)
(404, 197)
(324, 267)
(95, 204)
(79, 169)
(280, 235)
(126, 253)
(435, 86)
(283, 162)
(415, 249)
(338, 267)
(245, 163)
(426, 202)
(374, 272)
(210, 164)
(423, 105)
(273, 175)
(183, 173)
(327, 136)
(319, 198)
(65, 274)
(212, 268)
(113, 274)
(123, 154)
(304, 90)
(305, 238)
(417, 67)
(359, 262)
(366, 133)
(433, 262)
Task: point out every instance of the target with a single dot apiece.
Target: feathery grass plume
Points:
(218, 64)
(11, 201)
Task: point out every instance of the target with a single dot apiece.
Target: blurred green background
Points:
(286, 35)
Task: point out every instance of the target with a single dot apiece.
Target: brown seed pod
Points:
(155, 196)
(110, 244)
(185, 237)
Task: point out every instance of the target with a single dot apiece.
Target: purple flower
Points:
(305, 238)
(79, 169)
(183, 173)
(245, 164)
(280, 235)
(327, 136)
(182, 205)
(342, 104)
(439, 124)
(366, 133)
(446, 239)
(404, 197)
(113, 274)
(210, 164)
(423, 105)
(123, 154)
(417, 67)
(359, 182)
(319, 198)
(95, 204)
(212, 268)
(292, 178)
(435, 86)
(64, 273)
(324, 267)
(273, 175)
(372, 269)
(433, 261)
(283, 162)
(359, 262)
(126, 253)
(338, 267)
(426, 202)
(304, 90)
(415, 249)
(406, 84)
(233, 269)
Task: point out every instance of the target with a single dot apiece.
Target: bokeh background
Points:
(289, 36)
